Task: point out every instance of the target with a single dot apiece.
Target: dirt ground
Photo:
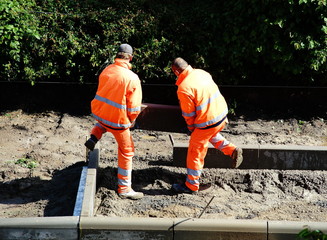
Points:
(41, 156)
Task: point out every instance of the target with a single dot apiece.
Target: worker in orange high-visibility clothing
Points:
(116, 105)
(205, 112)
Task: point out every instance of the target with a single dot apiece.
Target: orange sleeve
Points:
(134, 99)
(188, 109)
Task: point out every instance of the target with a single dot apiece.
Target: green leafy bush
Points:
(18, 31)
(251, 42)
(238, 42)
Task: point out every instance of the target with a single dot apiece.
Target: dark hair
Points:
(180, 64)
(123, 55)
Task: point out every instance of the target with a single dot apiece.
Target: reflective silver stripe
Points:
(210, 100)
(116, 105)
(193, 182)
(124, 172)
(100, 126)
(111, 123)
(109, 102)
(210, 122)
(136, 109)
(222, 145)
(200, 107)
(124, 182)
(188, 114)
(192, 172)
(219, 138)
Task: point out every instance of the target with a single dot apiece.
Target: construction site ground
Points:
(42, 154)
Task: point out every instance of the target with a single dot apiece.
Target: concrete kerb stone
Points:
(80, 193)
(149, 228)
(198, 229)
(39, 228)
(286, 230)
(90, 184)
(215, 158)
(220, 229)
(261, 157)
(125, 228)
(84, 203)
(293, 157)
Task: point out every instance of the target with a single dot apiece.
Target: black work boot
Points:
(90, 143)
(237, 157)
(182, 188)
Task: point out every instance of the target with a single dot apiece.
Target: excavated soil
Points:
(42, 154)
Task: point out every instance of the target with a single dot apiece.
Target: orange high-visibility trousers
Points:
(197, 151)
(125, 154)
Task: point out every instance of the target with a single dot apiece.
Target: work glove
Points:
(188, 132)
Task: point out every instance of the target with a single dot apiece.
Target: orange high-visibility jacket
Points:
(200, 99)
(118, 99)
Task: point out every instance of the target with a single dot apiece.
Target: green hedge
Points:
(271, 42)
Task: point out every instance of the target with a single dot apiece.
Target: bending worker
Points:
(205, 112)
(116, 105)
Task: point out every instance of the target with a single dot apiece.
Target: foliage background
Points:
(258, 42)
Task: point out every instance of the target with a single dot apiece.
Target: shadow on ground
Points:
(59, 193)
